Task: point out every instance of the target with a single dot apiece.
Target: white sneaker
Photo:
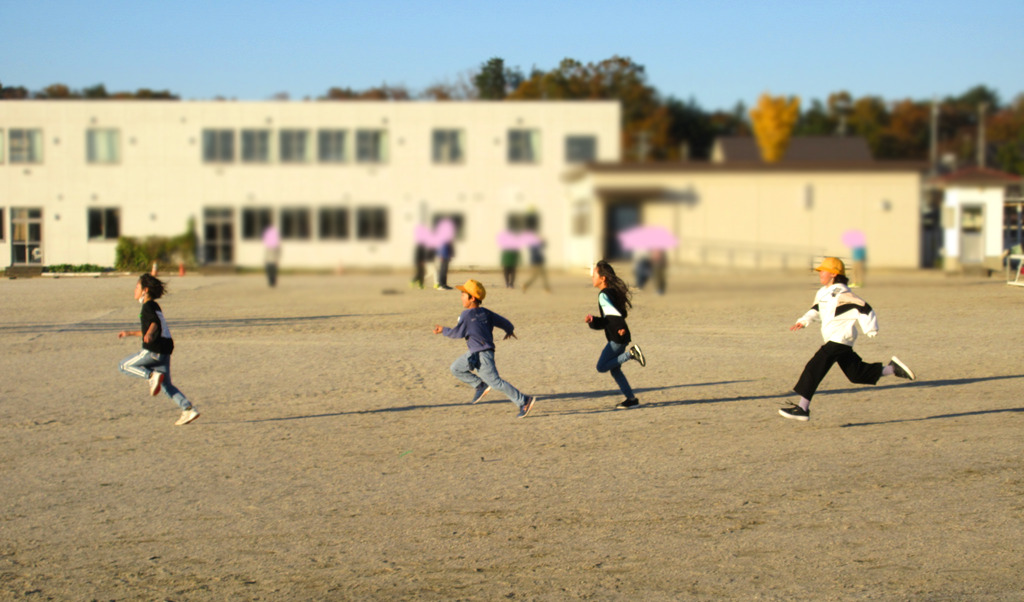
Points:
(187, 416)
(155, 380)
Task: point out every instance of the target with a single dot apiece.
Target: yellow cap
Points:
(832, 265)
(473, 289)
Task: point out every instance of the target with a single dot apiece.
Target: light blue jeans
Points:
(613, 356)
(144, 363)
(486, 372)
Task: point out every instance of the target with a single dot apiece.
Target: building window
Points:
(2, 148)
(102, 146)
(331, 146)
(580, 149)
(218, 146)
(449, 146)
(26, 236)
(1, 224)
(254, 221)
(295, 146)
(372, 223)
(295, 223)
(26, 146)
(334, 223)
(523, 146)
(255, 146)
(524, 222)
(371, 146)
(104, 223)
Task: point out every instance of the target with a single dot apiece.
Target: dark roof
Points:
(978, 175)
(749, 166)
(804, 148)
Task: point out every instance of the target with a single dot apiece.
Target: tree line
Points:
(665, 128)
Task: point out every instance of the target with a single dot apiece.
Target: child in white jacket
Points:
(840, 313)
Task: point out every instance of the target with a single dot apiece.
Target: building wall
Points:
(768, 218)
(161, 180)
(991, 200)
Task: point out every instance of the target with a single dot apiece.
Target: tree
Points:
(816, 121)
(689, 125)
(495, 81)
(773, 119)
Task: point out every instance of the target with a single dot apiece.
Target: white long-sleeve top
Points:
(840, 312)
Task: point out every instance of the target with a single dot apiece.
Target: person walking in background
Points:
(642, 269)
(419, 261)
(509, 263)
(840, 313)
(537, 269)
(154, 361)
(271, 253)
(613, 301)
(860, 258)
(445, 252)
(476, 368)
(659, 265)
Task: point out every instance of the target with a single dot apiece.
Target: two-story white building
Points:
(346, 183)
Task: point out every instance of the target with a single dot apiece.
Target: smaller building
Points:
(973, 209)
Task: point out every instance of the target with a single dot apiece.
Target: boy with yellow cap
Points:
(840, 313)
(476, 325)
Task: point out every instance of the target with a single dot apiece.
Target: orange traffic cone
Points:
(181, 268)
(152, 272)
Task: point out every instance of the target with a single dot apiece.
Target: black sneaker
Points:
(637, 354)
(901, 370)
(523, 411)
(628, 403)
(796, 413)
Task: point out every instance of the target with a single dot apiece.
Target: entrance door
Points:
(26, 236)
(972, 234)
(218, 235)
(621, 216)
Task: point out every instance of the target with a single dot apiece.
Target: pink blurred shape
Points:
(423, 235)
(529, 239)
(646, 238)
(271, 237)
(508, 241)
(444, 232)
(854, 238)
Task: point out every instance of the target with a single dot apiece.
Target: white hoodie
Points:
(840, 311)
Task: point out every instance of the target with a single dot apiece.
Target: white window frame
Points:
(524, 146)
(371, 146)
(294, 145)
(256, 145)
(378, 229)
(103, 146)
(218, 145)
(448, 146)
(572, 144)
(31, 139)
(328, 227)
(332, 145)
(296, 223)
(105, 215)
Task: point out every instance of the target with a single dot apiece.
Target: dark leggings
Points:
(830, 353)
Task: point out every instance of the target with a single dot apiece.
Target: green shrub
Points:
(137, 255)
(67, 268)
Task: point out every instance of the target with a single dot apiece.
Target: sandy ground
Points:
(337, 458)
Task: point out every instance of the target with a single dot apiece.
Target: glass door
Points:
(26, 236)
(218, 235)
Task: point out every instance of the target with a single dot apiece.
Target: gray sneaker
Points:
(481, 390)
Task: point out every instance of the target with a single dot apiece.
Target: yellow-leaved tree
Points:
(773, 119)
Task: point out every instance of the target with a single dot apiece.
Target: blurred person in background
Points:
(537, 269)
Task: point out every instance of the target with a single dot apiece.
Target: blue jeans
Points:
(486, 372)
(613, 356)
(144, 363)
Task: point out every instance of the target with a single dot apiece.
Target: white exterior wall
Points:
(162, 181)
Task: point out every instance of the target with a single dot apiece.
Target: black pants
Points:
(830, 353)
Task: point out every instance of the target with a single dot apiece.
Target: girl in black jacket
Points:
(613, 302)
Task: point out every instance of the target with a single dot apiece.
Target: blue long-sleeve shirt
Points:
(475, 325)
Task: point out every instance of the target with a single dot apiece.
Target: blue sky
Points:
(716, 53)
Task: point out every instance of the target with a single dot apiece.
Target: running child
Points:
(840, 312)
(613, 300)
(153, 362)
(476, 325)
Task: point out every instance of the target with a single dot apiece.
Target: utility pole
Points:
(933, 145)
(982, 107)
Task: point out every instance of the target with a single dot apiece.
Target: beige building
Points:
(751, 214)
(345, 182)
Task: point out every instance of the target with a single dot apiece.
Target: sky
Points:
(716, 53)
